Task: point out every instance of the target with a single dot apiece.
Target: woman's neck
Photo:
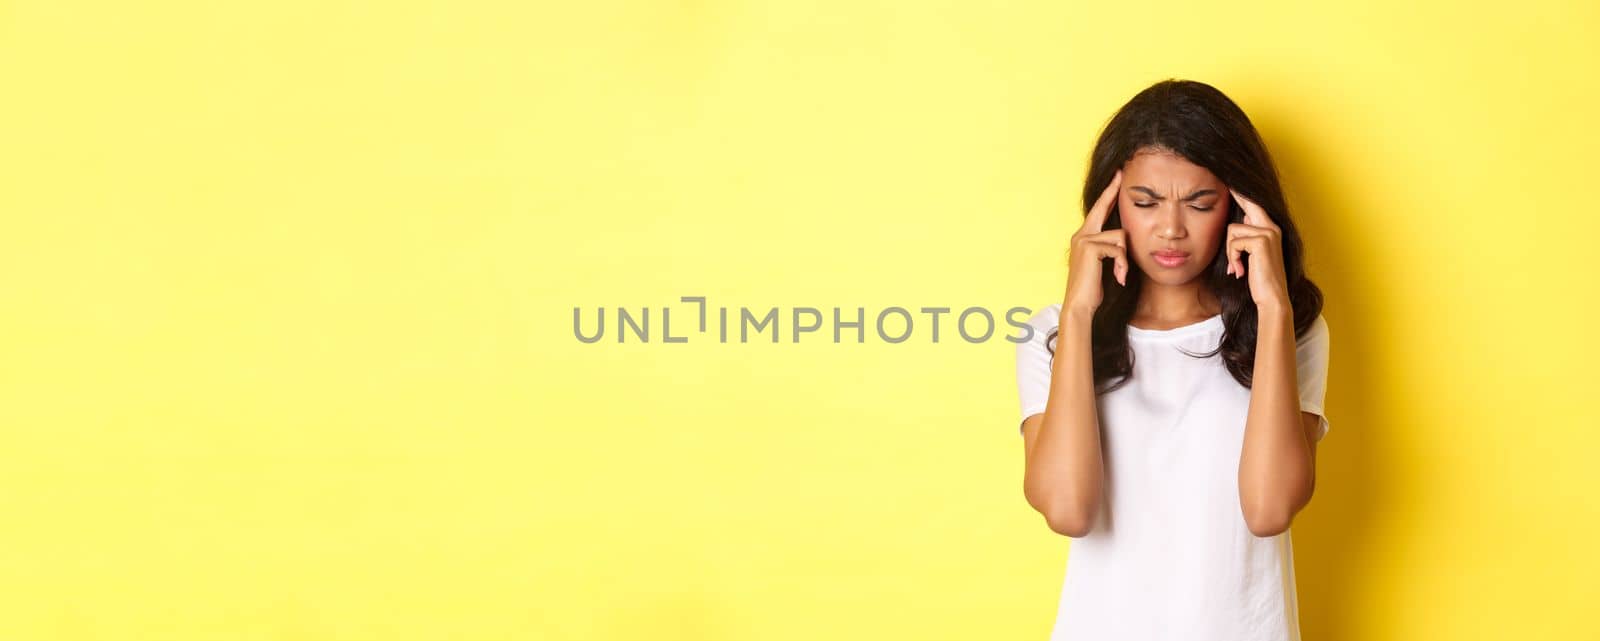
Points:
(1175, 305)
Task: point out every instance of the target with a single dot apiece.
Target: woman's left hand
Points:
(1263, 240)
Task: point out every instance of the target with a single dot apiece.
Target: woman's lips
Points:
(1170, 259)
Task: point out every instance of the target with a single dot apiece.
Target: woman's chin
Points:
(1159, 275)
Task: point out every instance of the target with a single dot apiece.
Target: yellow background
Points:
(286, 350)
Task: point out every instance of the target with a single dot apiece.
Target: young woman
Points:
(1172, 402)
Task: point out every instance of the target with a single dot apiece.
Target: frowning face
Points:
(1175, 213)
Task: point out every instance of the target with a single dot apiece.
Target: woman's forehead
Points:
(1165, 168)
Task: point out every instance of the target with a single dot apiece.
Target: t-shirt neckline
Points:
(1199, 327)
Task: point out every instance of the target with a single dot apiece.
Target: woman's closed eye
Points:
(1147, 205)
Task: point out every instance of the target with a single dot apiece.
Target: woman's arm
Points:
(1062, 445)
(1276, 473)
(1277, 467)
(1064, 472)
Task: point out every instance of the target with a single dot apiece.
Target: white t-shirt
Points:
(1172, 557)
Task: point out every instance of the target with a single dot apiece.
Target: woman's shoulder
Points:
(1039, 327)
(1318, 330)
(1047, 318)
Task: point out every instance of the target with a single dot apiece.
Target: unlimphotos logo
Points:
(891, 324)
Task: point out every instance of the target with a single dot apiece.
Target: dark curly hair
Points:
(1201, 124)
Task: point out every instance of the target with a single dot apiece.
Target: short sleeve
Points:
(1033, 364)
(1311, 368)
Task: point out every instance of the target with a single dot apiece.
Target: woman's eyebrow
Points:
(1152, 193)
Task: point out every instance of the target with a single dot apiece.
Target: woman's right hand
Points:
(1089, 246)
